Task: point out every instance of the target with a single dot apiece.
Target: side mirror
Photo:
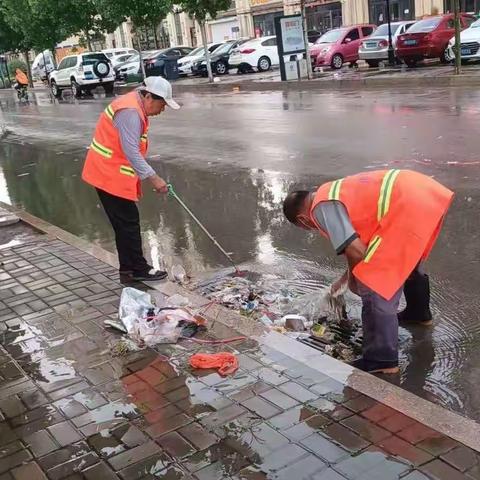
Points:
(347, 40)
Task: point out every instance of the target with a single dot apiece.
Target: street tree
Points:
(201, 11)
(145, 13)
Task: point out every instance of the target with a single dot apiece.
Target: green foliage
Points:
(16, 63)
(202, 9)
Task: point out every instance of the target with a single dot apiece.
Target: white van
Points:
(38, 66)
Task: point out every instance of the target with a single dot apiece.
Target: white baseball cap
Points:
(161, 87)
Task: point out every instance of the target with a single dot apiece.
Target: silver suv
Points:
(82, 73)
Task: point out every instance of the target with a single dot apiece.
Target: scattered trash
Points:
(148, 324)
(123, 347)
(177, 300)
(179, 274)
(225, 362)
(116, 325)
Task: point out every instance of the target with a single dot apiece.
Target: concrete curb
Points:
(459, 428)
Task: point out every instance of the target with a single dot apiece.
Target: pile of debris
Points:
(317, 318)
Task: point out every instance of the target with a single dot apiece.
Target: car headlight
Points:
(204, 62)
(325, 50)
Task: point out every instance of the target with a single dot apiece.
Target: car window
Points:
(450, 23)
(353, 34)
(425, 26)
(185, 51)
(213, 47)
(469, 21)
(63, 64)
(72, 62)
(93, 58)
(174, 52)
(121, 52)
(109, 54)
(271, 42)
(367, 31)
(382, 30)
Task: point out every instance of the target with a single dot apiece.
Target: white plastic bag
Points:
(133, 306)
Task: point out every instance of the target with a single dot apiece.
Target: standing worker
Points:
(116, 165)
(385, 222)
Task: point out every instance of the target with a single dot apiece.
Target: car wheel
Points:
(109, 87)
(337, 61)
(76, 90)
(443, 57)
(373, 63)
(56, 92)
(220, 68)
(411, 62)
(264, 64)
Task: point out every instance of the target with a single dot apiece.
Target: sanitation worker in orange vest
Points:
(116, 166)
(385, 223)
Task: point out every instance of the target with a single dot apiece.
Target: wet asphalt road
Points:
(234, 156)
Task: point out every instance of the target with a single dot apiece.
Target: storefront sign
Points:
(292, 39)
(254, 3)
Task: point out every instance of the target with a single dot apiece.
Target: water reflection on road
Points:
(239, 199)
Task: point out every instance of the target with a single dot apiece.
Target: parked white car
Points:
(128, 68)
(260, 53)
(82, 73)
(469, 43)
(185, 64)
(374, 49)
(113, 53)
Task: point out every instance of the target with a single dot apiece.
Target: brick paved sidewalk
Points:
(69, 409)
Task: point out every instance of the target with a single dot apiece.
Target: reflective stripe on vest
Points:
(100, 149)
(109, 112)
(144, 138)
(386, 193)
(334, 193)
(372, 247)
(127, 171)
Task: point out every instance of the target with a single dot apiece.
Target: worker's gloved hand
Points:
(339, 287)
(159, 184)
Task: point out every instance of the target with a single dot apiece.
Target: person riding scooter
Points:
(22, 83)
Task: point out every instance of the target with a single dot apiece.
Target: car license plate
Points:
(465, 51)
(410, 42)
(371, 44)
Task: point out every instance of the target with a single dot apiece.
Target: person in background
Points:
(116, 166)
(385, 223)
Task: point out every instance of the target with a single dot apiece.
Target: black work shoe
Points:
(376, 367)
(149, 275)
(407, 318)
(123, 272)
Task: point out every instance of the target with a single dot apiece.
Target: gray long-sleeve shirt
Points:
(129, 125)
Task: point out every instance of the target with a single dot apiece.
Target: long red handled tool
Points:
(173, 193)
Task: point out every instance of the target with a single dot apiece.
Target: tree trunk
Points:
(156, 37)
(458, 47)
(89, 41)
(142, 65)
(4, 85)
(207, 53)
(29, 70)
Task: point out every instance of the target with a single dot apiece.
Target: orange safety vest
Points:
(397, 214)
(106, 166)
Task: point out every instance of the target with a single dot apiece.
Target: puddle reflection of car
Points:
(469, 44)
(429, 38)
(375, 48)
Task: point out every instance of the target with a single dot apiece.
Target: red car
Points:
(339, 46)
(428, 38)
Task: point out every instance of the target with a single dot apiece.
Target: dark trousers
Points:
(380, 321)
(125, 219)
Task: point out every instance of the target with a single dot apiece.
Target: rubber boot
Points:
(417, 295)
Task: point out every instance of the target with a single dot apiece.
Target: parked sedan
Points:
(127, 69)
(185, 64)
(260, 53)
(469, 44)
(219, 59)
(155, 63)
(339, 46)
(375, 48)
(429, 38)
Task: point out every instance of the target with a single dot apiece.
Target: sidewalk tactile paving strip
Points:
(70, 410)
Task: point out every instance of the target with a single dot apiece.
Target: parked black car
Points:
(218, 59)
(155, 63)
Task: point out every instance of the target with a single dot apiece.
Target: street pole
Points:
(458, 47)
(305, 35)
(391, 53)
(207, 52)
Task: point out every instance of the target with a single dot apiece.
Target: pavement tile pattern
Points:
(69, 409)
